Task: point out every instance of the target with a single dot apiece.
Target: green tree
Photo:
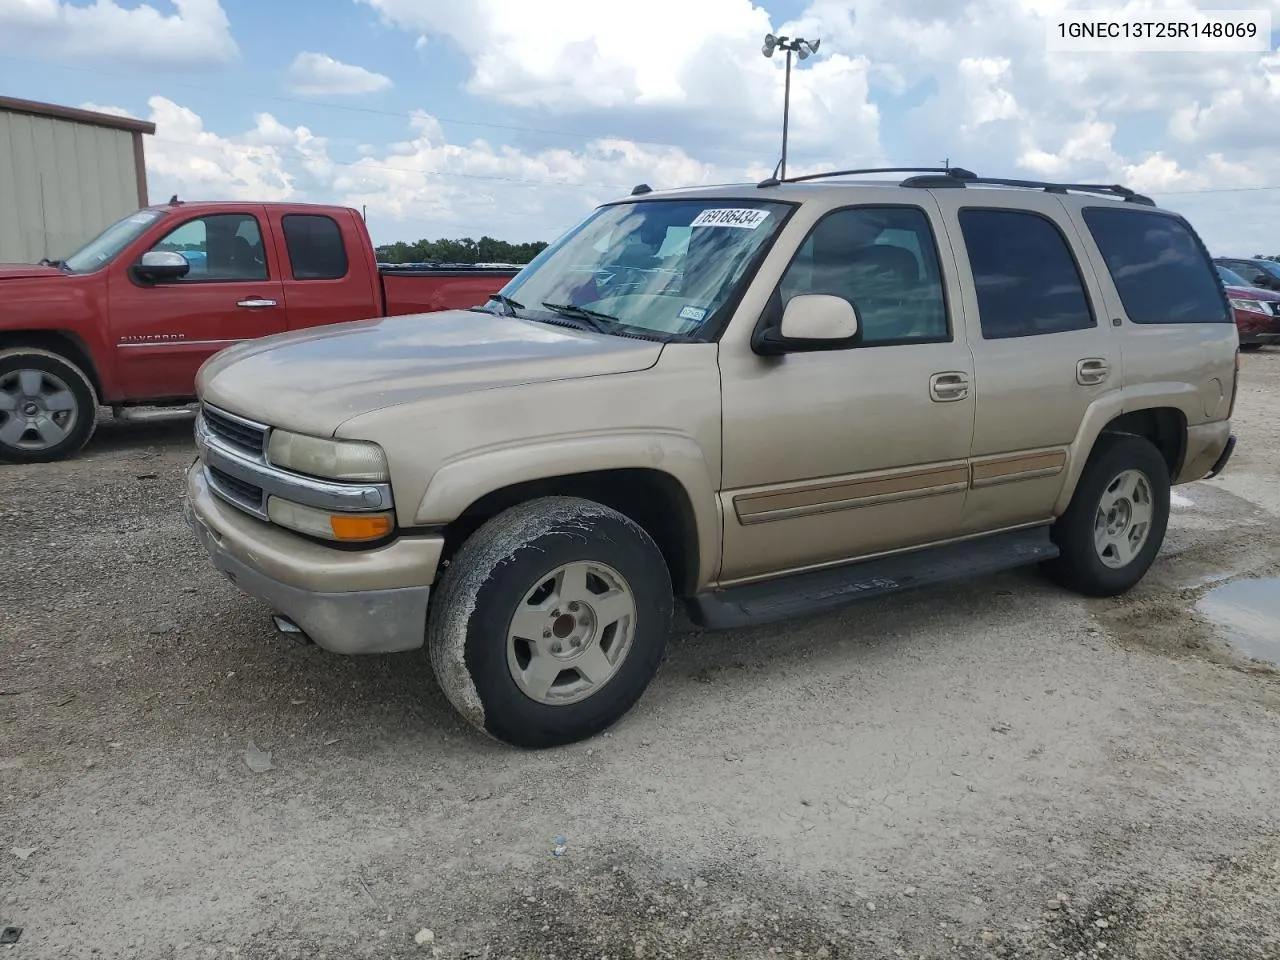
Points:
(466, 250)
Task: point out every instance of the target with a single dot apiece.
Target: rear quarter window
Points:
(1160, 269)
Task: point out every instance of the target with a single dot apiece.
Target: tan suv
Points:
(763, 400)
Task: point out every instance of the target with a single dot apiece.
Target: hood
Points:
(313, 380)
(26, 271)
(1252, 293)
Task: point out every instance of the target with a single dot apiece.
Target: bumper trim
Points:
(1221, 463)
(354, 622)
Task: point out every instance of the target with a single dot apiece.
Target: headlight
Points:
(331, 459)
(1250, 306)
(346, 527)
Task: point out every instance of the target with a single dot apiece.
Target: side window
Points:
(1027, 281)
(316, 250)
(221, 246)
(884, 261)
(1159, 269)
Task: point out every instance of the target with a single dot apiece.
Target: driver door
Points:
(837, 455)
(164, 331)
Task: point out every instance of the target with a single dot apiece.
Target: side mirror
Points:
(810, 323)
(156, 266)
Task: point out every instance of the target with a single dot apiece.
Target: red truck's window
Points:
(220, 246)
(316, 250)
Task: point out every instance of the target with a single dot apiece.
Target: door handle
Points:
(1092, 371)
(946, 387)
(256, 303)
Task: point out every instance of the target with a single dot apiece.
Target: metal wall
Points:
(61, 183)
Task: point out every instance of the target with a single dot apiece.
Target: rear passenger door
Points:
(1043, 351)
(324, 280)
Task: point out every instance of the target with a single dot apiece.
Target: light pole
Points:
(801, 48)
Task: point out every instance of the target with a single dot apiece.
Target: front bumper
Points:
(348, 602)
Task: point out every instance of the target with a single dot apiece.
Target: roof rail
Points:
(956, 172)
(1103, 189)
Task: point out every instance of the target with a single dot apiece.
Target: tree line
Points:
(466, 250)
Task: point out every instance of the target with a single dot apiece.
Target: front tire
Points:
(550, 622)
(48, 407)
(1110, 534)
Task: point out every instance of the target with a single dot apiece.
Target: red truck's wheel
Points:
(48, 407)
(550, 622)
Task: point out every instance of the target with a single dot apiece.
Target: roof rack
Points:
(1103, 189)
(957, 172)
(949, 176)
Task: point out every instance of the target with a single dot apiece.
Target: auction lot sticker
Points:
(726, 217)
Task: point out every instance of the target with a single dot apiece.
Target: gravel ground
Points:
(995, 769)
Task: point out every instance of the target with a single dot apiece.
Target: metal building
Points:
(65, 175)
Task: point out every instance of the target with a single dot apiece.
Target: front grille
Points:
(234, 432)
(245, 494)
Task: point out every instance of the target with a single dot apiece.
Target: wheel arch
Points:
(653, 498)
(64, 343)
(1163, 421)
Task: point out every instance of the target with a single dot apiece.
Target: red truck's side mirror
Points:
(156, 266)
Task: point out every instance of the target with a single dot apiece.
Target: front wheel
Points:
(1110, 534)
(550, 622)
(48, 408)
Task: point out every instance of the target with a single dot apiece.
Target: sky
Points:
(514, 118)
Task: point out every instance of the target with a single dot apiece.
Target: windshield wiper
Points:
(60, 264)
(511, 305)
(594, 319)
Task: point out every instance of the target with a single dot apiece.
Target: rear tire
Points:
(1250, 347)
(1110, 534)
(48, 407)
(550, 622)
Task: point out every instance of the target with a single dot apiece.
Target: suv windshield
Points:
(107, 245)
(1231, 278)
(657, 268)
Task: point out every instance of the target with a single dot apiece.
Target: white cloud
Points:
(318, 74)
(266, 162)
(695, 67)
(195, 36)
(503, 191)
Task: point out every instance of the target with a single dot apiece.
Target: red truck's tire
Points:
(48, 407)
(610, 634)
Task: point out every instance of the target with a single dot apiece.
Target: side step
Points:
(154, 414)
(805, 594)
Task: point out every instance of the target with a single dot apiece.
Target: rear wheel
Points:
(550, 622)
(48, 408)
(1110, 534)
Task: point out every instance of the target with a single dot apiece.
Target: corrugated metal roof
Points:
(91, 118)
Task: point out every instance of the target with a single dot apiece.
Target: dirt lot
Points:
(989, 769)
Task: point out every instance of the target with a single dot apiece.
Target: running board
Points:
(154, 414)
(805, 594)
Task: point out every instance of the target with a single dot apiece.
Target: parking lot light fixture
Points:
(803, 49)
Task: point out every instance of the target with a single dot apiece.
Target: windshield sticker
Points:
(693, 314)
(744, 219)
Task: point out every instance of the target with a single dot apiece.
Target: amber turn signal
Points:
(351, 528)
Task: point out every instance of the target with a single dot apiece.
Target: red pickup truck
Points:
(128, 319)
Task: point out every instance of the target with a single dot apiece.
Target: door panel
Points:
(324, 276)
(1043, 349)
(836, 455)
(165, 331)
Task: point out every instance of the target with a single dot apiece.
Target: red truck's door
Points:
(328, 269)
(164, 331)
